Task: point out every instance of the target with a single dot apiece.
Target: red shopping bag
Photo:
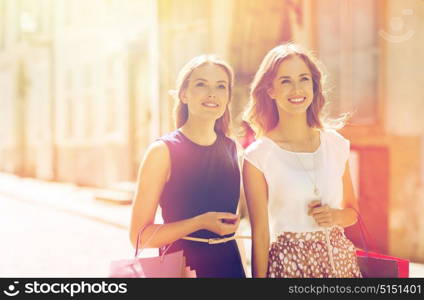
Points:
(376, 265)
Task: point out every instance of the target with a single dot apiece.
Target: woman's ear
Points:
(270, 92)
(184, 97)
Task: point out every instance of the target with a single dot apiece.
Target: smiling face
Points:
(207, 92)
(292, 87)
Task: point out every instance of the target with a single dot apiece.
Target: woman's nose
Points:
(297, 88)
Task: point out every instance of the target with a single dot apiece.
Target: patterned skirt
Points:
(320, 254)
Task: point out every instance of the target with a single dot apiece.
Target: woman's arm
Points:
(347, 216)
(256, 191)
(153, 173)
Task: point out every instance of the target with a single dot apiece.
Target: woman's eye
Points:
(304, 79)
(285, 81)
(221, 86)
(200, 84)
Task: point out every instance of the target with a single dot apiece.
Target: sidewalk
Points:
(65, 197)
(85, 202)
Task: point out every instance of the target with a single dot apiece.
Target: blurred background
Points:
(84, 90)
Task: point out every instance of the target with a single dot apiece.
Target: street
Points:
(40, 241)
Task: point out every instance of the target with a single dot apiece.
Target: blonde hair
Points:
(262, 113)
(222, 125)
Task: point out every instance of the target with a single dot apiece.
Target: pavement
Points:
(109, 206)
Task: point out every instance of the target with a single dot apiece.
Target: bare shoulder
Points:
(158, 147)
(157, 154)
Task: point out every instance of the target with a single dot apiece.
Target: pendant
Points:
(316, 191)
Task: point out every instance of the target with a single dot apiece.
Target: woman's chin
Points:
(294, 110)
(211, 115)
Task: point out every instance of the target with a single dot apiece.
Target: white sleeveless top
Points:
(290, 188)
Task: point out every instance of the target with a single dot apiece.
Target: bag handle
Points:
(364, 232)
(148, 240)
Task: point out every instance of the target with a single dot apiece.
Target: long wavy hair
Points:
(222, 125)
(262, 112)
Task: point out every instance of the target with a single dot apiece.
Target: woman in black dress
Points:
(192, 173)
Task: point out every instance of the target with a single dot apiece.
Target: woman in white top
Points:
(296, 174)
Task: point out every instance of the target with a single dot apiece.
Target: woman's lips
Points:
(297, 100)
(210, 104)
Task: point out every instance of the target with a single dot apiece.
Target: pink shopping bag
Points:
(171, 265)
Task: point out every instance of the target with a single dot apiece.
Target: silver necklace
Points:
(313, 180)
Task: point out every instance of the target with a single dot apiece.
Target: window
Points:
(69, 95)
(347, 45)
(30, 17)
(111, 87)
(2, 23)
(88, 105)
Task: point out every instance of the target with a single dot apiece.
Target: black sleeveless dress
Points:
(203, 179)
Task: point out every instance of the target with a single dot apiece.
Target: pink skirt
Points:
(313, 255)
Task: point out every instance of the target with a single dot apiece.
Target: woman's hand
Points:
(324, 215)
(220, 223)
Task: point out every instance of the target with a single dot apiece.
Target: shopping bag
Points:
(377, 265)
(171, 265)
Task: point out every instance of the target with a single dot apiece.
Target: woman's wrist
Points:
(198, 222)
(338, 217)
(344, 217)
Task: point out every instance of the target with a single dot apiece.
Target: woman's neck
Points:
(200, 131)
(292, 129)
